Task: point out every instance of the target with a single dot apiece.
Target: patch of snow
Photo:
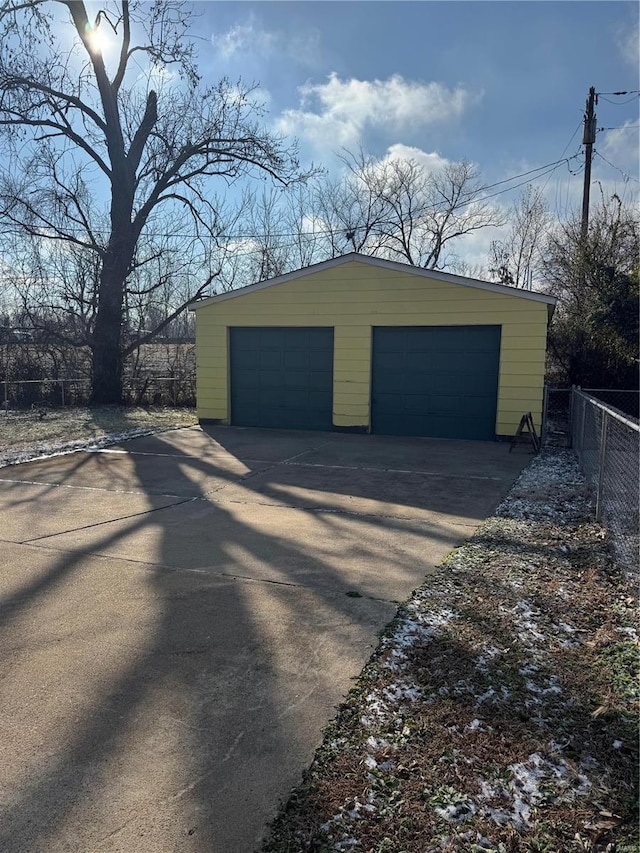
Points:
(342, 818)
(525, 616)
(550, 488)
(552, 687)
(488, 654)
(402, 692)
(476, 724)
(397, 660)
(456, 812)
(377, 711)
(488, 694)
(377, 743)
(346, 844)
(532, 782)
(47, 450)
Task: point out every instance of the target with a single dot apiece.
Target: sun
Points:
(97, 39)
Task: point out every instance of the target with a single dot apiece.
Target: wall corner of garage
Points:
(212, 367)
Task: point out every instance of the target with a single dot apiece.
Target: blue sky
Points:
(502, 84)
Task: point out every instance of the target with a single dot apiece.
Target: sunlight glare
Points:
(97, 39)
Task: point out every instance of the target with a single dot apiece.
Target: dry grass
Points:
(44, 430)
(499, 712)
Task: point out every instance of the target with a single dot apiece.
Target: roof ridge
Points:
(358, 257)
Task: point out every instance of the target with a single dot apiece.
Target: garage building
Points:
(369, 345)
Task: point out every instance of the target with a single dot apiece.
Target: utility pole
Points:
(588, 138)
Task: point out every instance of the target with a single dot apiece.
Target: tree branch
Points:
(63, 131)
(29, 83)
(143, 339)
(124, 50)
(142, 134)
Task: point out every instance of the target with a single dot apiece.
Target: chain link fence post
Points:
(583, 420)
(601, 465)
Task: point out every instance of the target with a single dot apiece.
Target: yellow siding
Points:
(354, 297)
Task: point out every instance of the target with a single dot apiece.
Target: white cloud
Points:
(628, 43)
(621, 147)
(430, 161)
(243, 38)
(336, 113)
(249, 38)
(471, 252)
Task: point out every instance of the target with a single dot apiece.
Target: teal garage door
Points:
(437, 381)
(282, 377)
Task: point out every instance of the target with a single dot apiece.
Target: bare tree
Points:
(594, 334)
(453, 208)
(394, 208)
(516, 259)
(352, 206)
(266, 245)
(82, 134)
(278, 231)
(54, 287)
(307, 234)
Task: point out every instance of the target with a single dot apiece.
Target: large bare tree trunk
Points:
(106, 349)
(106, 346)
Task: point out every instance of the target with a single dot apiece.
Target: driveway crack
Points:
(106, 521)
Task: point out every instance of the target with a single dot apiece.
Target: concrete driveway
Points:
(180, 615)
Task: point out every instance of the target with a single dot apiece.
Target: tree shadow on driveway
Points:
(169, 672)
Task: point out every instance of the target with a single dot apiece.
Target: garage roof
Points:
(357, 257)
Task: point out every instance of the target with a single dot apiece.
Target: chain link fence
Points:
(34, 393)
(32, 376)
(607, 444)
(627, 402)
(27, 394)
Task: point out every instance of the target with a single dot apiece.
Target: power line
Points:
(522, 183)
(620, 127)
(471, 198)
(624, 174)
(566, 148)
(618, 103)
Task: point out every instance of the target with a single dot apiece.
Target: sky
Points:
(502, 84)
